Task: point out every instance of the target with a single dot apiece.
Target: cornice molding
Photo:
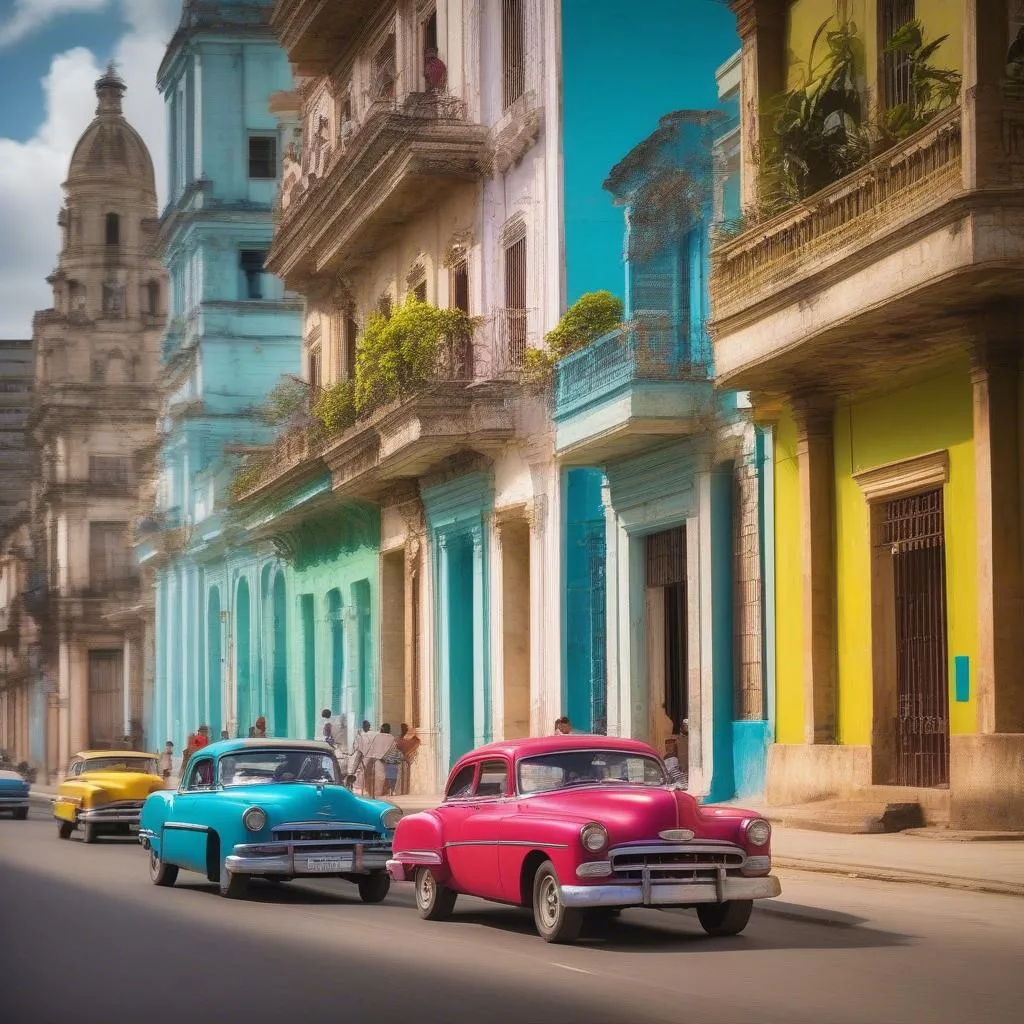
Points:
(896, 479)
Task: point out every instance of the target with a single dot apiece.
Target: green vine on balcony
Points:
(287, 401)
(399, 353)
(591, 316)
(335, 406)
(248, 476)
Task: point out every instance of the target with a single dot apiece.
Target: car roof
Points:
(88, 755)
(222, 747)
(537, 745)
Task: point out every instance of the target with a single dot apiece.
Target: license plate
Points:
(328, 865)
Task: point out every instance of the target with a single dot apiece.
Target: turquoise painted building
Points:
(666, 550)
(225, 606)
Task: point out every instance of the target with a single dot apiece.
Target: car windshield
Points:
(146, 765)
(253, 767)
(588, 768)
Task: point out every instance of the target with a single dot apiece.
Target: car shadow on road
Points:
(679, 930)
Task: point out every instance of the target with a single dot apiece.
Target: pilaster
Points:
(995, 378)
(814, 416)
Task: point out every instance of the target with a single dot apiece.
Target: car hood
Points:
(634, 813)
(302, 801)
(114, 785)
(17, 786)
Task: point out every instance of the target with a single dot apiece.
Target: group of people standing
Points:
(379, 763)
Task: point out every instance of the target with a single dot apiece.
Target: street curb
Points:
(874, 874)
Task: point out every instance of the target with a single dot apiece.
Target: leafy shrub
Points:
(335, 407)
(286, 401)
(247, 478)
(587, 319)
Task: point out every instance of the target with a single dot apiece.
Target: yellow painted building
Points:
(877, 325)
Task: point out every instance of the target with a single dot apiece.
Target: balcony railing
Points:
(634, 352)
(894, 189)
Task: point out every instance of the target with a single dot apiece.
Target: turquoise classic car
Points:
(13, 795)
(271, 809)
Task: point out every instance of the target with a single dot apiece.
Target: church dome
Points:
(110, 147)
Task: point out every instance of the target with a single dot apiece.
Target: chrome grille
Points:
(667, 862)
(313, 833)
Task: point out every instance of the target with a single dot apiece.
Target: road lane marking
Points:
(578, 970)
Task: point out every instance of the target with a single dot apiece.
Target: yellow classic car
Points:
(103, 791)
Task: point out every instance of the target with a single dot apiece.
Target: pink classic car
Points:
(578, 827)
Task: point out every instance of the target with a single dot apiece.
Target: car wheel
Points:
(554, 921)
(161, 873)
(374, 888)
(89, 832)
(729, 918)
(232, 886)
(434, 901)
(21, 814)
(64, 829)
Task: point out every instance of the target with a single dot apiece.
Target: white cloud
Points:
(31, 172)
(29, 16)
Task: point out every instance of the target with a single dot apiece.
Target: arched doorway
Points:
(280, 657)
(245, 712)
(214, 653)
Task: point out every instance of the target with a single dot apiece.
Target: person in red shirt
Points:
(199, 739)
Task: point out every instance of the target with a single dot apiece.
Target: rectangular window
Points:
(429, 29)
(460, 286)
(251, 262)
(515, 302)
(493, 781)
(263, 157)
(315, 373)
(110, 470)
(513, 51)
(897, 87)
(113, 229)
(384, 305)
(109, 553)
(419, 291)
(351, 334)
(385, 71)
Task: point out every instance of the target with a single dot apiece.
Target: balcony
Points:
(398, 163)
(81, 489)
(628, 389)
(468, 405)
(314, 32)
(846, 285)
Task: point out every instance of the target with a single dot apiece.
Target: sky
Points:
(51, 53)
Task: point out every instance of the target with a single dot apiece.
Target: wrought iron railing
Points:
(633, 352)
(509, 339)
(894, 188)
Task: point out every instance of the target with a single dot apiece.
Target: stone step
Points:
(851, 817)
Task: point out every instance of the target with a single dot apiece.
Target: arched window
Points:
(113, 229)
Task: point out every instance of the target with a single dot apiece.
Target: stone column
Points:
(761, 27)
(993, 115)
(814, 414)
(995, 377)
(127, 683)
(481, 687)
(440, 625)
(412, 593)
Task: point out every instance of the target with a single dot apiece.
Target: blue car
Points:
(271, 809)
(13, 795)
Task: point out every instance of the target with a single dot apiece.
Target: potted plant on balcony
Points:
(591, 316)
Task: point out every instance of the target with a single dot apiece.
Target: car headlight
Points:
(390, 818)
(255, 819)
(758, 832)
(594, 837)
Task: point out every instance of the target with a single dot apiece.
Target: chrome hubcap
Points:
(154, 863)
(426, 889)
(549, 902)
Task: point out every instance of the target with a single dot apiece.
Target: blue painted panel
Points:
(243, 653)
(750, 756)
(585, 699)
(308, 610)
(723, 784)
(461, 646)
(215, 677)
(280, 657)
(962, 675)
(366, 686)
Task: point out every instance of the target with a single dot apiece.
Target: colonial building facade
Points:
(93, 417)
(232, 333)
(878, 325)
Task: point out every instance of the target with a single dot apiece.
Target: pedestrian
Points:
(261, 728)
(167, 760)
(252, 732)
(676, 775)
(224, 734)
(335, 734)
(362, 765)
(409, 744)
(562, 726)
(391, 759)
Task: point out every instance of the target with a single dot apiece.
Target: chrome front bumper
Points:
(13, 803)
(295, 861)
(110, 815)
(668, 894)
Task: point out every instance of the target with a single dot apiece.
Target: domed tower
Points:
(108, 272)
(94, 421)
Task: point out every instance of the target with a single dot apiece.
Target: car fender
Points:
(155, 811)
(529, 839)
(419, 842)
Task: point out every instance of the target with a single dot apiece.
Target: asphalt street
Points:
(85, 938)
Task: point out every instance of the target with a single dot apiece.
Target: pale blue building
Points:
(666, 551)
(221, 605)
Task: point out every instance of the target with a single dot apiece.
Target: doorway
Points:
(515, 627)
(106, 699)
(667, 636)
(913, 529)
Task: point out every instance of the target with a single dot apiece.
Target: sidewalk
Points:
(920, 856)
